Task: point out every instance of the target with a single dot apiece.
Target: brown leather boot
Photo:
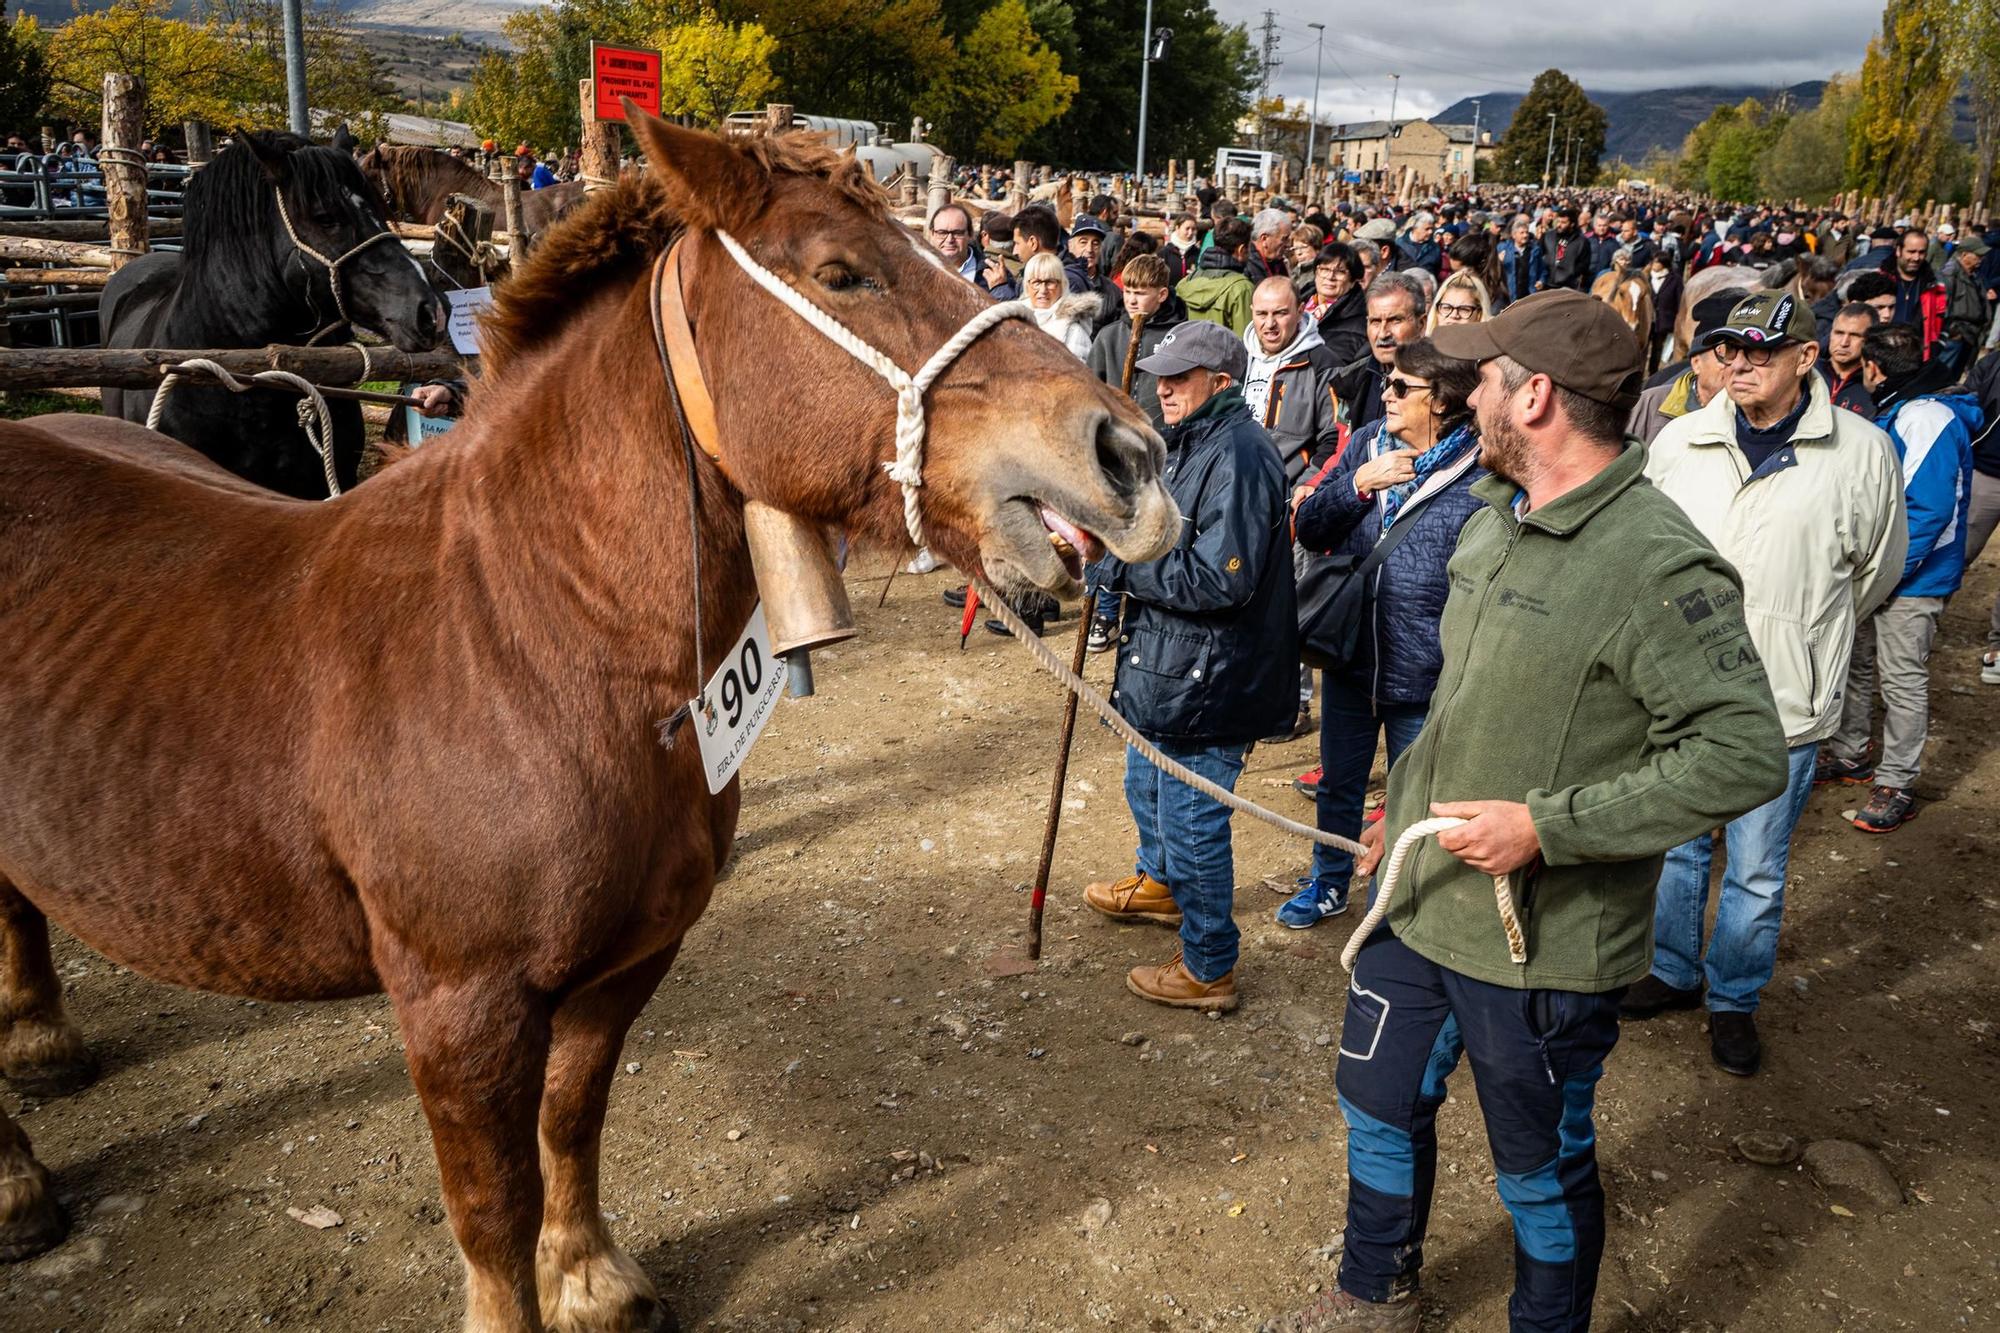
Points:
(1134, 898)
(1337, 1309)
(1172, 984)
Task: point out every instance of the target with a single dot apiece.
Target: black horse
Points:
(283, 242)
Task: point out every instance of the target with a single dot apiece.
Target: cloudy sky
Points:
(1448, 49)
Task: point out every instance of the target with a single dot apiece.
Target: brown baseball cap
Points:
(1576, 340)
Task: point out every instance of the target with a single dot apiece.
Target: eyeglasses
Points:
(950, 234)
(1451, 311)
(1755, 356)
(1398, 387)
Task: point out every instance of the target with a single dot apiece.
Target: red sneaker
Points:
(1308, 781)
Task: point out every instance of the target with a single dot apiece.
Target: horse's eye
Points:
(838, 278)
(326, 219)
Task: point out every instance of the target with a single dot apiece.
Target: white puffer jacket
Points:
(1818, 535)
(1072, 321)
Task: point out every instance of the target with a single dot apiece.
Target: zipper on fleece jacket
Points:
(1442, 716)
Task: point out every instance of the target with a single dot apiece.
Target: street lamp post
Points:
(1395, 86)
(298, 114)
(1312, 126)
(1145, 87)
(1549, 158)
(1472, 170)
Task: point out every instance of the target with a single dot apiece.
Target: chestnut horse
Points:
(405, 740)
(417, 182)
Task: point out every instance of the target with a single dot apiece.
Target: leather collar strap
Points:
(683, 364)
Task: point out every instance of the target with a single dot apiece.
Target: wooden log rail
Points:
(88, 230)
(56, 277)
(73, 253)
(142, 368)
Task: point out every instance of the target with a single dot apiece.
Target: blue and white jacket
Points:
(1933, 439)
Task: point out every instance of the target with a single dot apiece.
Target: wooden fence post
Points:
(940, 186)
(1018, 197)
(597, 150)
(501, 170)
(124, 166)
(778, 117)
(200, 142)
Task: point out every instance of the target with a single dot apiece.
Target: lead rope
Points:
(314, 417)
(1045, 657)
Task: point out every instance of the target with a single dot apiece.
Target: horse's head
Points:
(331, 241)
(1022, 443)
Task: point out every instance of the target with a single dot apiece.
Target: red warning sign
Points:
(624, 71)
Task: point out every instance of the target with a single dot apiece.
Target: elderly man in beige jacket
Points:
(1806, 501)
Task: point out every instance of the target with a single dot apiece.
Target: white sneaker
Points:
(1989, 666)
(924, 563)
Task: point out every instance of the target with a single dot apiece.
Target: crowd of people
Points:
(1609, 572)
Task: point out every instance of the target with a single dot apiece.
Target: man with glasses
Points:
(951, 237)
(1806, 501)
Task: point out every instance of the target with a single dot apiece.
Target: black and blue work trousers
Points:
(1536, 1058)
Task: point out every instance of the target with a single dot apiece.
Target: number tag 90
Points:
(739, 700)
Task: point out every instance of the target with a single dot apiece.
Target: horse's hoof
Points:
(30, 1219)
(54, 1078)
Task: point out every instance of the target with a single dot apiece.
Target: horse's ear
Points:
(344, 140)
(711, 183)
(277, 166)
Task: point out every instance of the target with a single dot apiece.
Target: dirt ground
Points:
(834, 1117)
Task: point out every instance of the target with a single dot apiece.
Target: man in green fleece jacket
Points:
(1600, 702)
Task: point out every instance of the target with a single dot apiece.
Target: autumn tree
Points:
(344, 79)
(1908, 82)
(709, 68)
(191, 71)
(1808, 157)
(1001, 85)
(24, 72)
(1523, 152)
(870, 59)
(1199, 92)
(1981, 59)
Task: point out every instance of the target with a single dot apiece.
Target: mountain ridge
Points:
(1639, 122)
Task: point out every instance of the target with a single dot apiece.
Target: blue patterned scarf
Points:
(1440, 455)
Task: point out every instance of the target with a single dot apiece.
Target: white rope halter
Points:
(908, 467)
(332, 266)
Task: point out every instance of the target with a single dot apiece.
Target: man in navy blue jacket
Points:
(1207, 663)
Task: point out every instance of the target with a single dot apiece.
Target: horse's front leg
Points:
(589, 1285)
(478, 1047)
(30, 1218)
(41, 1052)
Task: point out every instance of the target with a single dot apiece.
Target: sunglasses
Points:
(1755, 356)
(1398, 387)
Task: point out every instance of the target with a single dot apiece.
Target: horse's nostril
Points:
(1123, 456)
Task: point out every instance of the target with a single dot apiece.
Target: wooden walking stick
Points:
(1069, 709)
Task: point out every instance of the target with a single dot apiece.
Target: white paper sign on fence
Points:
(466, 305)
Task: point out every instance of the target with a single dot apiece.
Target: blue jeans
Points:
(1536, 1058)
(1184, 844)
(1744, 949)
(1349, 723)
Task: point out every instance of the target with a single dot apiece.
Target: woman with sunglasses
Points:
(1415, 466)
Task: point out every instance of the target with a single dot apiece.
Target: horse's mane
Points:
(620, 229)
(230, 210)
